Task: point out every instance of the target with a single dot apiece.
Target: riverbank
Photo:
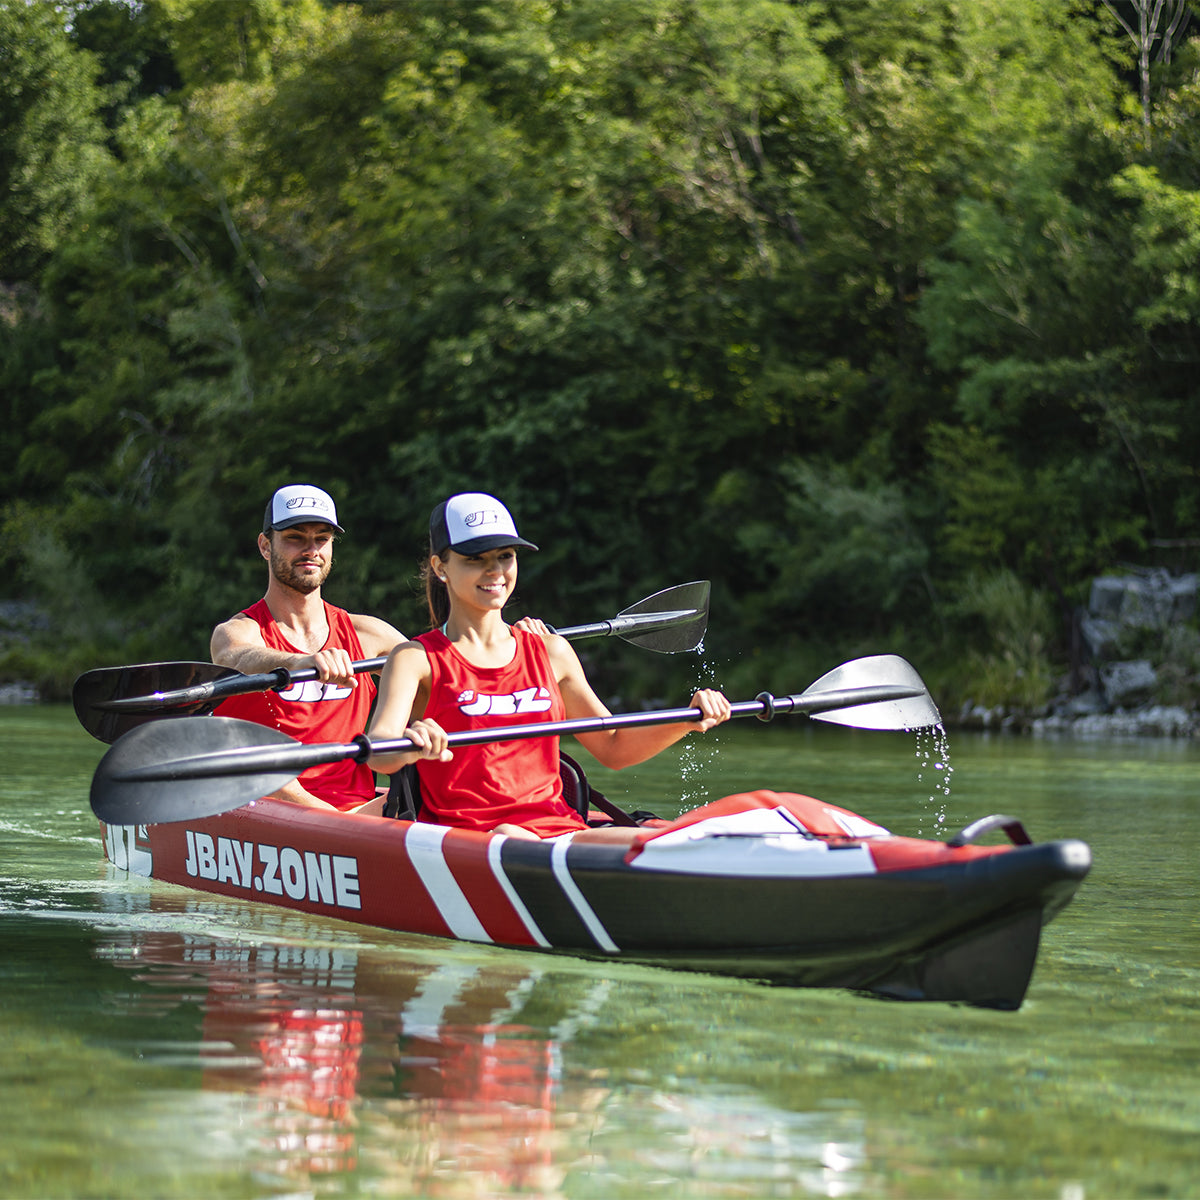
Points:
(1156, 720)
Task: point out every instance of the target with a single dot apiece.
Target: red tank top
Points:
(315, 712)
(484, 786)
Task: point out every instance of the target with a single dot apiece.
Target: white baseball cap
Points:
(472, 522)
(300, 504)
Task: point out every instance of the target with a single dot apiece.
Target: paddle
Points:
(669, 622)
(178, 771)
(110, 701)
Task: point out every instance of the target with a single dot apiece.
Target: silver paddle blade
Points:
(914, 712)
(672, 621)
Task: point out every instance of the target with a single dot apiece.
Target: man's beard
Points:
(286, 574)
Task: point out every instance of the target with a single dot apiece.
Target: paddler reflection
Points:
(299, 1057)
(449, 1062)
(279, 1024)
(481, 1088)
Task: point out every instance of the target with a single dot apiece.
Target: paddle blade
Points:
(683, 610)
(95, 688)
(119, 796)
(912, 712)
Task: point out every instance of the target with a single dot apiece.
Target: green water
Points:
(160, 1043)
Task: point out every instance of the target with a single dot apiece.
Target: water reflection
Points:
(479, 1090)
(447, 1074)
(278, 1025)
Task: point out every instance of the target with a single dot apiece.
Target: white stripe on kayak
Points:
(424, 845)
(558, 863)
(505, 883)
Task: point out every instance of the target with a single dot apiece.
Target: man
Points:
(293, 627)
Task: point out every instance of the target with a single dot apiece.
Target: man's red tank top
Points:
(316, 712)
(518, 781)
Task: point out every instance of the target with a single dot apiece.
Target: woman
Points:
(474, 670)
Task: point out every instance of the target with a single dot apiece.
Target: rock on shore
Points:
(1151, 610)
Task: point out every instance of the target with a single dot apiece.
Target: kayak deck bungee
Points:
(762, 885)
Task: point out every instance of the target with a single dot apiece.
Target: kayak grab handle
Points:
(1010, 825)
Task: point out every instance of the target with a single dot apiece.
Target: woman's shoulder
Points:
(411, 654)
(552, 643)
(559, 653)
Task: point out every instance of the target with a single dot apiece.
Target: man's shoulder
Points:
(381, 635)
(244, 630)
(253, 614)
(367, 621)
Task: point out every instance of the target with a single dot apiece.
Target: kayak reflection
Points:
(416, 1067)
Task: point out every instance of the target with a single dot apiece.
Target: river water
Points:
(167, 1044)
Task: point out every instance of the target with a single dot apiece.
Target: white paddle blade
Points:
(915, 712)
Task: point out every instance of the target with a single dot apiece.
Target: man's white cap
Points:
(472, 522)
(300, 504)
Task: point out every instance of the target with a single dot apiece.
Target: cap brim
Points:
(308, 520)
(493, 542)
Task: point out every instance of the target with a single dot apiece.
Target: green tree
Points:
(51, 139)
(842, 305)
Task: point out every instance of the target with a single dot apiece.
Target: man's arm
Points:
(238, 643)
(296, 793)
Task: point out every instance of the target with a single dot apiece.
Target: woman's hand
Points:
(715, 707)
(430, 740)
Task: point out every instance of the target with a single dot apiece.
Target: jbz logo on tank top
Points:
(526, 700)
(313, 691)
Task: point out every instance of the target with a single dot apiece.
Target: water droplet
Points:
(933, 753)
(698, 753)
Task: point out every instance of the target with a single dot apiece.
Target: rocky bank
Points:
(1139, 670)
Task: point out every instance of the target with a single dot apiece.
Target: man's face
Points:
(301, 557)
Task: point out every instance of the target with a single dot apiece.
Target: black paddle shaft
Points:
(219, 689)
(110, 701)
(258, 758)
(185, 770)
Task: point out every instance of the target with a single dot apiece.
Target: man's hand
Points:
(335, 666)
(533, 625)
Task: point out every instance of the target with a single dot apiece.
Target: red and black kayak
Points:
(764, 885)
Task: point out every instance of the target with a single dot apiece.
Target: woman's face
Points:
(484, 580)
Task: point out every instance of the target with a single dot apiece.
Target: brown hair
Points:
(437, 595)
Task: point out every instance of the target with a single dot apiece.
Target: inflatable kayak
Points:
(764, 885)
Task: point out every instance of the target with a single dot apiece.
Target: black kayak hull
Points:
(766, 886)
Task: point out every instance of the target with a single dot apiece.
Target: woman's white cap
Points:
(472, 522)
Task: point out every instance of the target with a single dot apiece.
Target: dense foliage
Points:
(880, 314)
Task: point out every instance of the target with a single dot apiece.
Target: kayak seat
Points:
(404, 795)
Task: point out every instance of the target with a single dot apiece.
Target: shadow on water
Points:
(164, 1043)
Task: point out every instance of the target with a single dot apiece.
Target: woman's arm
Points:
(617, 748)
(402, 688)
